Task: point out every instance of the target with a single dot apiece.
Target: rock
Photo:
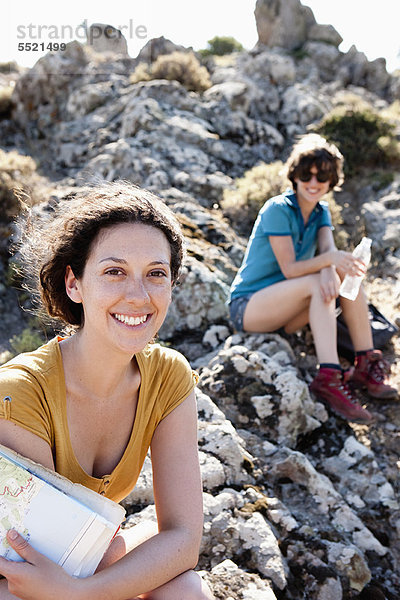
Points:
(350, 562)
(283, 23)
(377, 78)
(331, 589)
(252, 380)
(325, 56)
(324, 33)
(228, 581)
(354, 63)
(106, 38)
(231, 536)
(299, 108)
(89, 97)
(382, 218)
(277, 68)
(234, 92)
(206, 295)
(156, 47)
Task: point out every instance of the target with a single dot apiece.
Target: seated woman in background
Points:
(283, 283)
(89, 405)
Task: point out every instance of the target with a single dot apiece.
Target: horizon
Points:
(194, 26)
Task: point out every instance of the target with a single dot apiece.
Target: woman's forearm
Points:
(299, 268)
(145, 568)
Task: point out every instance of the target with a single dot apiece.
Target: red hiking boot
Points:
(330, 386)
(370, 372)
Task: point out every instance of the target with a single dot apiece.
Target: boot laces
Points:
(344, 388)
(378, 367)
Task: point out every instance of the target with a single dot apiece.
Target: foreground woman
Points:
(90, 404)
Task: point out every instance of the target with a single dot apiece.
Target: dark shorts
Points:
(237, 306)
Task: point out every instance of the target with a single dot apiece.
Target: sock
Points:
(363, 352)
(330, 366)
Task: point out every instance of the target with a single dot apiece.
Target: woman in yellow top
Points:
(89, 405)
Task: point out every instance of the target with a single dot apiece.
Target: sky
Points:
(372, 27)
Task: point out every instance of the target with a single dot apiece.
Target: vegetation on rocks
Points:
(221, 45)
(364, 137)
(241, 204)
(179, 66)
(18, 177)
(5, 101)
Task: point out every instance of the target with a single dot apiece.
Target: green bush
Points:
(220, 45)
(363, 136)
(179, 66)
(26, 341)
(241, 204)
(9, 67)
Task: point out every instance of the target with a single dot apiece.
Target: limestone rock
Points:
(158, 46)
(253, 381)
(324, 33)
(382, 218)
(325, 56)
(204, 292)
(229, 581)
(106, 38)
(283, 22)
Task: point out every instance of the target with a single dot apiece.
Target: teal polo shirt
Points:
(280, 215)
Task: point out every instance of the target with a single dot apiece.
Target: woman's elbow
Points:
(288, 271)
(192, 547)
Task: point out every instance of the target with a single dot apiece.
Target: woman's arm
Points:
(178, 499)
(26, 443)
(329, 256)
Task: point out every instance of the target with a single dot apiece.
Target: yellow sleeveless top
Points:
(33, 396)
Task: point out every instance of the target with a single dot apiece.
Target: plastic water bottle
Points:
(351, 284)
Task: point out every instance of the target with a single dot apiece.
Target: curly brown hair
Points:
(313, 149)
(66, 239)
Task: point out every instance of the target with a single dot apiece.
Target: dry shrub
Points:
(5, 101)
(241, 204)
(179, 66)
(18, 178)
(141, 73)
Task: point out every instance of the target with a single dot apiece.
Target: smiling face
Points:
(126, 286)
(310, 192)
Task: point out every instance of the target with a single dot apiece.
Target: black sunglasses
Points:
(322, 176)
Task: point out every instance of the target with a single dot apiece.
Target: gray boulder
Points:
(324, 33)
(106, 38)
(283, 23)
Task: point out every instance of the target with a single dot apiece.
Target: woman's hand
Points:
(347, 264)
(38, 578)
(330, 283)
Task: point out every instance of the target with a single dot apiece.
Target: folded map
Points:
(65, 521)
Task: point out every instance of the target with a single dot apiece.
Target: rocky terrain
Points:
(298, 504)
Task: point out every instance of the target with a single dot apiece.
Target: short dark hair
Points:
(313, 149)
(67, 239)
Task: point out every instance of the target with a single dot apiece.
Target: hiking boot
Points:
(330, 385)
(370, 372)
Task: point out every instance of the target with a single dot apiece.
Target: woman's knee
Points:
(313, 282)
(196, 587)
(188, 586)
